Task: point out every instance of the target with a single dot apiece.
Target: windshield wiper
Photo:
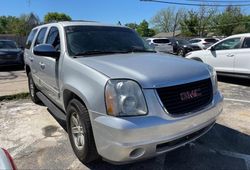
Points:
(93, 52)
(96, 52)
(134, 50)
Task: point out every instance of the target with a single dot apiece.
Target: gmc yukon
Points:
(121, 100)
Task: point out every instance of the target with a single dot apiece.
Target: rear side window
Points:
(30, 38)
(211, 40)
(194, 41)
(54, 38)
(161, 41)
(246, 43)
(41, 36)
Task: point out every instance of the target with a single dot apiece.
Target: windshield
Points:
(182, 42)
(97, 39)
(8, 45)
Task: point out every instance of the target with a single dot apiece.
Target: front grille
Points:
(185, 98)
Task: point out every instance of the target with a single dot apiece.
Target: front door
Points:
(223, 55)
(52, 65)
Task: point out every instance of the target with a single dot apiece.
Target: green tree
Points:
(228, 21)
(132, 25)
(189, 25)
(55, 16)
(20, 26)
(144, 30)
(198, 23)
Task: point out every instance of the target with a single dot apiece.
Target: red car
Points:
(6, 161)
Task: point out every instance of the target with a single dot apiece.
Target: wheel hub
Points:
(77, 131)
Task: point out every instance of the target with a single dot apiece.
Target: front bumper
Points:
(125, 140)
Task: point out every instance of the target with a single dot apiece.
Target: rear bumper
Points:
(125, 140)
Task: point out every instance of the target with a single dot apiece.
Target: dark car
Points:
(10, 54)
(181, 47)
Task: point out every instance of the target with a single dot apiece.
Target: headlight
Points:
(213, 76)
(124, 98)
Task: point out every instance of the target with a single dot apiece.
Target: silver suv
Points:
(121, 100)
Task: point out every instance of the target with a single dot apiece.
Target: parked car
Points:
(181, 47)
(203, 43)
(229, 57)
(6, 161)
(160, 44)
(121, 101)
(10, 54)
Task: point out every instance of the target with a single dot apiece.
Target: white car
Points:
(203, 43)
(230, 56)
(160, 44)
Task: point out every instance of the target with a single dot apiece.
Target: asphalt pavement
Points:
(12, 81)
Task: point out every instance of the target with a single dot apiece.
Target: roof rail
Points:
(70, 21)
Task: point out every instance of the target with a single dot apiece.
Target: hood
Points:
(150, 70)
(10, 51)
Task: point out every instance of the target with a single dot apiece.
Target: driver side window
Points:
(54, 38)
(232, 43)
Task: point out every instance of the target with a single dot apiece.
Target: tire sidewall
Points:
(74, 107)
(34, 98)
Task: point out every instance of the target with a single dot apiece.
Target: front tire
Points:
(80, 132)
(33, 90)
(181, 52)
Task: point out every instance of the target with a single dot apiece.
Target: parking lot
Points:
(37, 140)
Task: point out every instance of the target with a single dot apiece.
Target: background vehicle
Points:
(160, 44)
(229, 56)
(181, 47)
(6, 161)
(203, 43)
(10, 54)
(122, 101)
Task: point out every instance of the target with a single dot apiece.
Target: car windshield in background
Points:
(211, 40)
(87, 40)
(8, 45)
(182, 42)
(161, 41)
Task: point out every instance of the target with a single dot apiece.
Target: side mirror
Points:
(212, 48)
(46, 50)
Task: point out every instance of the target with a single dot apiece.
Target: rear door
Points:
(28, 56)
(223, 55)
(38, 63)
(242, 59)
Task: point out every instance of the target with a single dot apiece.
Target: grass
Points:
(18, 96)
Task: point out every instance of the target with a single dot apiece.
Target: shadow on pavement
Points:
(234, 80)
(221, 148)
(61, 122)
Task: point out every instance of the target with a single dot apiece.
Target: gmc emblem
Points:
(190, 94)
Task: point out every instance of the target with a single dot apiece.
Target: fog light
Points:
(136, 153)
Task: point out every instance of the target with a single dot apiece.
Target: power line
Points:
(193, 4)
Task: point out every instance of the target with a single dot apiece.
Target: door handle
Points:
(42, 65)
(230, 55)
(31, 59)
